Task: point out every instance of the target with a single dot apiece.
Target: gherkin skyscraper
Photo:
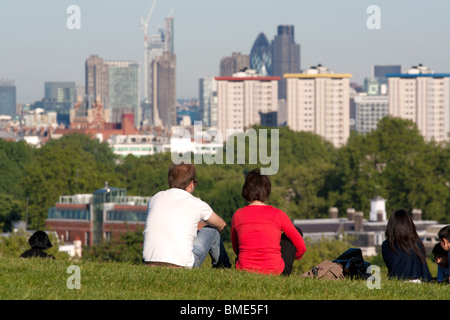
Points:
(261, 56)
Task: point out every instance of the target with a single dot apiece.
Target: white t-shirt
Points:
(171, 226)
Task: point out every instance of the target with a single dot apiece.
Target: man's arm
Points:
(216, 222)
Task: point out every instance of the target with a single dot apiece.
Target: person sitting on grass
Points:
(263, 237)
(444, 236)
(441, 257)
(175, 234)
(38, 242)
(403, 252)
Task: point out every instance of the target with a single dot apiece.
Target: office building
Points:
(422, 96)
(102, 215)
(208, 101)
(96, 77)
(236, 63)
(59, 97)
(318, 102)
(123, 90)
(59, 91)
(168, 35)
(114, 85)
(380, 71)
(246, 99)
(369, 109)
(261, 56)
(164, 90)
(7, 98)
(285, 56)
(160, 42)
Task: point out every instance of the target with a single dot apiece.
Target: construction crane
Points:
(144, 27)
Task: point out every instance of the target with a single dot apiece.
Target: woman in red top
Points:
(264, 238)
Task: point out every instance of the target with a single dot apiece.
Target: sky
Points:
(36, 46)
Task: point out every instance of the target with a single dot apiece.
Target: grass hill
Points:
(45, 279)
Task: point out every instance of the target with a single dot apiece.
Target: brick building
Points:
(104, 214)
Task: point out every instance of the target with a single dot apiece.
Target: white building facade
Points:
(244, 100)
(422, 96)
(318, 101)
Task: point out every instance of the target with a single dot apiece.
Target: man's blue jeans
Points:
(209, 241)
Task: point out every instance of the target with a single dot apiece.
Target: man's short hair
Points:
(256, 186)
(444, 233)
(181, 175)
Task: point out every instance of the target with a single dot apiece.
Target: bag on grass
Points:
(353, 263)
(325, 270)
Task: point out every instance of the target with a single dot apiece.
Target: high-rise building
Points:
(155, 49)
(59, 91)
(123, 90)
(97, 79)
(231, 65)
(369, 110)
(208, 101)
(7, 98)
(318, 102)
(246, 99)
(422, 96)
(168, 35)
(164, 90)
(162, 41)
(380, 71)
(261, 56)
(285, 56)
(59, 97)
(115, 85)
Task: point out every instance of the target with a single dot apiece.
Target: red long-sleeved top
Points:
(256, 235)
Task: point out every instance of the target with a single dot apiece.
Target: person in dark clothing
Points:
(403, 251)
(39, 242)
(444, 237)
(441, 257)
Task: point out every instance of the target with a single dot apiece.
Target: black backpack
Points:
(353, 264)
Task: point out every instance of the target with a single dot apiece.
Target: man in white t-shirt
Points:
(181, 229)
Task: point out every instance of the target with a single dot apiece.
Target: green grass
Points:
(44, 279)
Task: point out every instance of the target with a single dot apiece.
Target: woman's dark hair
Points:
(439, 251)
(40, 240)
(401, 232)
(181, 175)
(256, 186)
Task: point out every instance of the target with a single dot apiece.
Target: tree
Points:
(11, 209)
(145, 176)
(127, 247)
(396, 163)
(69, 165)
(14, 156)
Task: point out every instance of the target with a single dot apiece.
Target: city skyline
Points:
(37, 46)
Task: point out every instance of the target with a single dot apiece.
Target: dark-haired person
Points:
(444, 237)
(441, 257)
(263, 237)
(38, 242)
(403, 251)
(174, 235)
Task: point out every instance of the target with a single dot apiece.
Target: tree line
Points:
(394, 162)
